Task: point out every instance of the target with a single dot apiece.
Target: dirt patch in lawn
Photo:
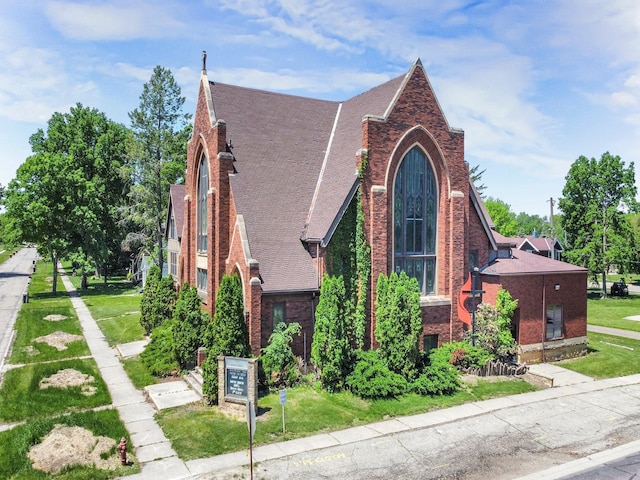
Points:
(59, 339)
(70, 377)
(66, 446)
(55, 318)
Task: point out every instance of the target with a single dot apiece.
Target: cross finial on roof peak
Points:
(204, 61)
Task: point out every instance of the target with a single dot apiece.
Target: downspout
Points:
(544, 315)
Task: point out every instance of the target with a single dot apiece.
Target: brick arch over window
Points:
(419, 260)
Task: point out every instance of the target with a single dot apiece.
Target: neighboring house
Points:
(173, 228)
(545, 246)
(271, 178)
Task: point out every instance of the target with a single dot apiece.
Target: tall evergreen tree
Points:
(331, 350)
(228, 333)
(157, 156)
(398, 322)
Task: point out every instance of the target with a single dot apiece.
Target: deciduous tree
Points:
(597, 197)
(503, 218)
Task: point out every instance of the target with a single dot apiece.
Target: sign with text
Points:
(236, 376)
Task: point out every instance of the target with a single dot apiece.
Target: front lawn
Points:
(612, 311)
(39, 390)
(198, 431)
(115, 306)
(16, 443)
(609, 356)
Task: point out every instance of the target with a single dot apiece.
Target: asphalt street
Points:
(15, 274)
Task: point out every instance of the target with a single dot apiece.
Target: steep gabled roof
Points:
(338, 176)
(176, 204)
(278, 143)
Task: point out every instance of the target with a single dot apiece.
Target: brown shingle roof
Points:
(339, 174)
(278, 142)
(522, 263)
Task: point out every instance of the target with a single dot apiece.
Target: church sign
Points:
(236, 377)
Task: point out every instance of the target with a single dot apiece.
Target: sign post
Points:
(251, 424)
(283, 400)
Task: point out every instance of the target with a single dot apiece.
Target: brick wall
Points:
(416, 119)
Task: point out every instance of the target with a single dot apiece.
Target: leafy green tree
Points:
(503, 218)
(493, 326)
(528, 224)
(158, 156)
(228, 333)
(597, 196)
(331, 350)
(190, 326)
(66, 195)
(277, 358)
(399, 323)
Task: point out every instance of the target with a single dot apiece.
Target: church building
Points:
(271, 178)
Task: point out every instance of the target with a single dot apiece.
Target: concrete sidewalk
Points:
(153, 450)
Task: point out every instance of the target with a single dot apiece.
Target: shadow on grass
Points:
(113, 287)
(49, 295)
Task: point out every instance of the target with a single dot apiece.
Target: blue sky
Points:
(534, 84)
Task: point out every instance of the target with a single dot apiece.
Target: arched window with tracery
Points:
(202, 214)
(415, 206)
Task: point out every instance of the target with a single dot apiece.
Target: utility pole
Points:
(553, 237)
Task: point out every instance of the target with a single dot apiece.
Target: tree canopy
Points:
(65, 196)
(597, 198)
(157, 157)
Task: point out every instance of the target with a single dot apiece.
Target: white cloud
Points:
(115, 20)
(288, 81)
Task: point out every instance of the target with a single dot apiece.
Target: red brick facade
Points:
(413, 119)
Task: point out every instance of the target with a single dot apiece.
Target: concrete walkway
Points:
(153, 450)
(614, 331)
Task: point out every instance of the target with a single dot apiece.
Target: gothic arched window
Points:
(414, 220)
(202, 216)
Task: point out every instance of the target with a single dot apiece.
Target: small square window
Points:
(429, 342)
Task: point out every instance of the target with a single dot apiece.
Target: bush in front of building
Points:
(461, 355)
(331, 349)
(158, 356)
(227, 334)
(493, 326)
(399, 323)
(158, 300)
(190, 326)
(279, 364)
(371, 378)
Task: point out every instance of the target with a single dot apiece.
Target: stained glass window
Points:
(415, 219)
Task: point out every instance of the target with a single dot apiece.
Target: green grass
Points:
(138, 373)
(6, 252)
(612, 311)
(115, 306)
(198, 431)
(31, 323)
(609, 356)
(15, 445)
(22, 398)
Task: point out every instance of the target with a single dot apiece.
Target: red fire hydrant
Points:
(122, 446)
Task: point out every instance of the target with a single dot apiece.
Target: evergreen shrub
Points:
(158, 356)
(372, 379)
